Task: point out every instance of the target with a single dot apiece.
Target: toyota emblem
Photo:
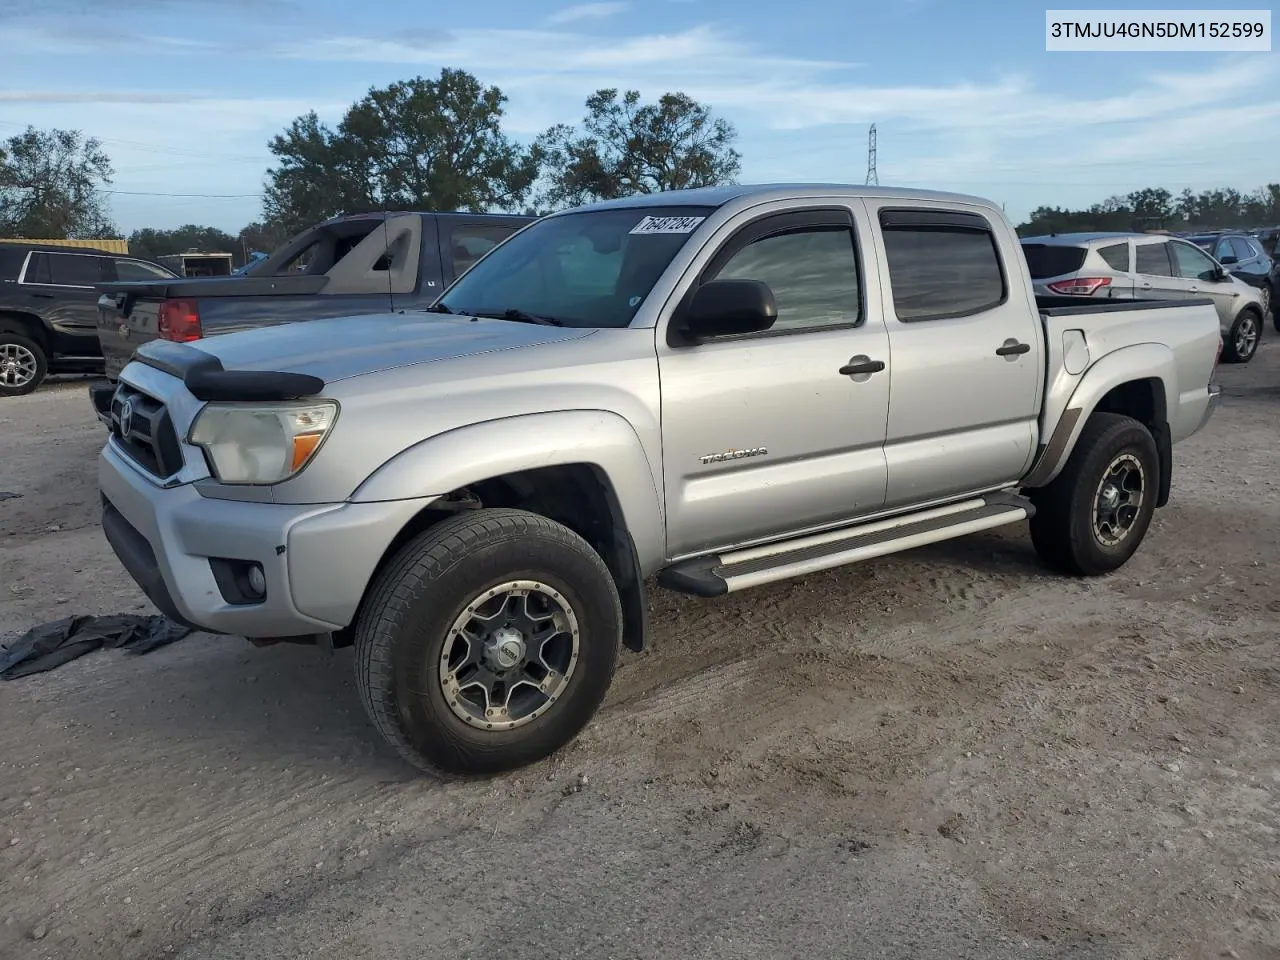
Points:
(126, 418)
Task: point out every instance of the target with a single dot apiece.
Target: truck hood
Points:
(344, 347)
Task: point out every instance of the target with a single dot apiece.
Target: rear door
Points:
(60, 288)
(1153, 267)
(967, 349)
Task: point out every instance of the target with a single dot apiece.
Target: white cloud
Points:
(588, 11)
(800, 119)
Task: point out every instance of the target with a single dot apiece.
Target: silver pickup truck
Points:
(722, 387)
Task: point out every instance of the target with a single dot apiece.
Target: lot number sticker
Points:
(667, 224)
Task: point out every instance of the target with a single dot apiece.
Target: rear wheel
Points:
(1091, 519)
(488, 642)
(1242, 340)
(23, 364)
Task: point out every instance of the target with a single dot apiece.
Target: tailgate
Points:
(126, 319)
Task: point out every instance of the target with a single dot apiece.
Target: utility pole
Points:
(873, 177)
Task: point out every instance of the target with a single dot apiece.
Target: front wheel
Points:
(1091, 519)
(1242, 340)
(488, 642)
(23, 364)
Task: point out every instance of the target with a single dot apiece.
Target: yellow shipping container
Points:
(111, 246)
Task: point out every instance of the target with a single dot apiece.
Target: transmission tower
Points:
(872, 176)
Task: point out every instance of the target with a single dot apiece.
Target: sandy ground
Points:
(946, 754)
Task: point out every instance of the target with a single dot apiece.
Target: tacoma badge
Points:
(734, 455)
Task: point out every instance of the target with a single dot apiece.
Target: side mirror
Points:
(725, 308)
(1228, 260)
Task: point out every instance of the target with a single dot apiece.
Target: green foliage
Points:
(626, 148)
(51, 186)
(417, 144)
(152, 243)
(1156, 209)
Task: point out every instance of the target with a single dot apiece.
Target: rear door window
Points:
(469, 242)
(1241, 249)
(1050, 260)
(1116, 256)
(75, 270)
(1152, 260)
(938, 271)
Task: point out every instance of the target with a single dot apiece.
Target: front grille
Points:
(144, 430)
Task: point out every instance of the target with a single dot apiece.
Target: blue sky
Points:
(186, 93)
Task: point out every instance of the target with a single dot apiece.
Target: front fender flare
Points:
(455, 459)
(1143, 361)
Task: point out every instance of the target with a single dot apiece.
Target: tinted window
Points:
(1152, 259)
(1192, 262)
(11, 260)
(137, 270)
(938, 272)
(1047, 260)
(473, 241)
(1116, 256)
(74, 270)
(813, 275)
(1241, 249)
(586, 269)
(37, 269)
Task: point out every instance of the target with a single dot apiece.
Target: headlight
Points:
(261, 443)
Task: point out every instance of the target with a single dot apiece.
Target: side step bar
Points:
(715, 575)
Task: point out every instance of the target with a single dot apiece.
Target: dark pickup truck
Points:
(359, 264)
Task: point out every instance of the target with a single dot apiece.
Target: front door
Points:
(968, 357)
(1199, 276)
(763, 435)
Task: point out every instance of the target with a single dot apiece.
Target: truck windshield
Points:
(588, 269)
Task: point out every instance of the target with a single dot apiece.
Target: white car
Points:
(1141, 266)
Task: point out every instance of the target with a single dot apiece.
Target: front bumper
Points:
(317, 558)
(100, 395)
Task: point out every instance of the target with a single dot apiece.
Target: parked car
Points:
(1147, 267)
(723, 387)
(48, 309)
(1242, 256)
(368, 263)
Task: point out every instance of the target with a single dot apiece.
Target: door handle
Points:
(1012, 348)
(861, 365)
(1195, 289)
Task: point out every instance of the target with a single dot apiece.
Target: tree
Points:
(152, 243)
(418, 144)
(51, 186)
(626, 148)
(1224, 208)
(259, 236)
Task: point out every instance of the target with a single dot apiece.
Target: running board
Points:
(717, 574)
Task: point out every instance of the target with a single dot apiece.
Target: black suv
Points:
(49, 309)
(1242, 256)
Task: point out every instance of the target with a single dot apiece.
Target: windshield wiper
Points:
(438, 308)
(521, 316)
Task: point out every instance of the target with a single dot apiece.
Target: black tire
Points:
(1063, 529)
(18, 353)
(414, 601)
(1243, 338)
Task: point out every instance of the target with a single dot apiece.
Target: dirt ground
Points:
(946, 754)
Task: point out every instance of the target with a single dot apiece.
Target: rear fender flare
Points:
(456, 459)
(1144, 361)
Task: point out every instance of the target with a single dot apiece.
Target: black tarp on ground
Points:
(52, 644)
